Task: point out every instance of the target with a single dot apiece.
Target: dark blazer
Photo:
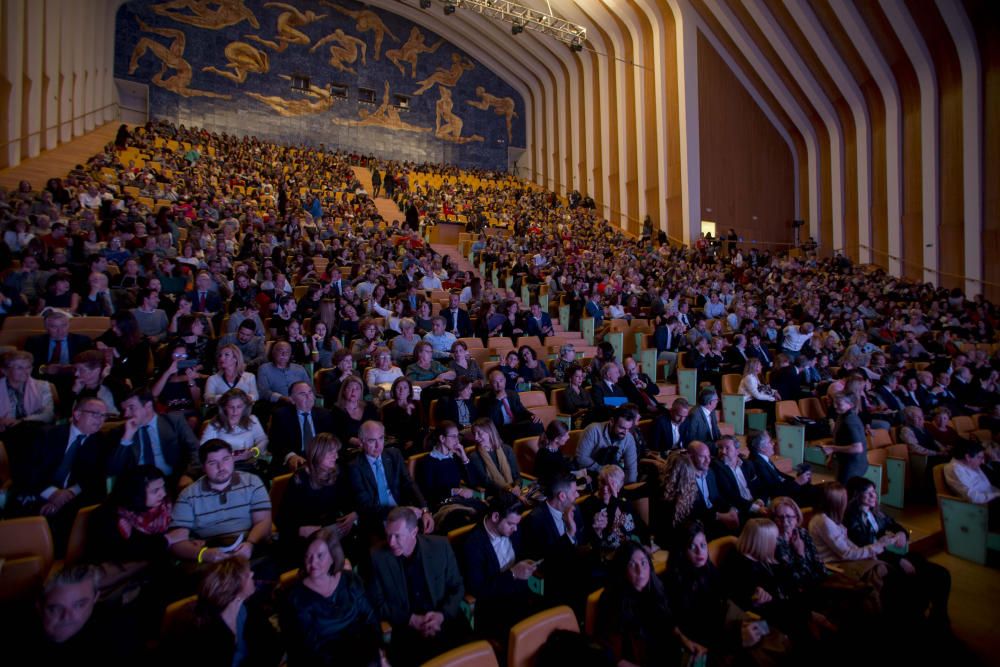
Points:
(768, 482)
(88, 468)
(482, 569)
(285, 432)
(38, 346)
(910, 401)
(701, 510)
(493, 408)
(177, 442)
(700, 428)
(735, 360)
(760, 352)
(861, 532)
(387, 588)
(541, 539)
(479, 477)
(533, 328)
(600, 390)
(889, 399)
(464, 322)
(663, 435)
(402, 487)
(632, 393)
(447, 409)
(213, 302)
(787, 382)
(729, 490)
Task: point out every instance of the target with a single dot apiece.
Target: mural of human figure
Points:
(243, 59)
(288, 24)
(202, 15)
(387, 115)
(171, 57)
(448, 126)
(409, 51)
(445, 77)
(345, 54)
(502, 106)
(366, 21)
(318, 100)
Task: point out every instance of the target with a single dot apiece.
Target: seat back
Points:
(525, 450)
(475, 654)
(590, 620)
(940, 486)
(963, 424)
(278, 487)
(731, 383)
(533, 399)
(879, 438)
(412, 463)
(569, 449)
(178, 616)
(785, 410)
(77, 546)
(530, 634)
(812, 408)
(720, 548)
(26, 549)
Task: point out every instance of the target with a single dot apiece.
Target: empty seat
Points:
(475, 654)
(530, 634)
(26, 550)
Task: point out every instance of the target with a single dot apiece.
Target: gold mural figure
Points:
(367, 21)
(445, 77)
(346, 53)
(385, 116)
(409, 51)
(225, 14)
(318, 100)
(243, 59)
(502, 106)
(171, 57)
(288, 26)
(448, 126)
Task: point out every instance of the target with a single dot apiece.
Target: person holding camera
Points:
(178, 387)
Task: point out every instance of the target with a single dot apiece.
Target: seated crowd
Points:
(280, 420)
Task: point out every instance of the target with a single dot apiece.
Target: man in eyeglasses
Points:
(67, 472)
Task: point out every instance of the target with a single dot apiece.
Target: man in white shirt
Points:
(439, 339)
(965, 476)
(795, 337)
(732, 475)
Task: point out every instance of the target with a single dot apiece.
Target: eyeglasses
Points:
(785, 517)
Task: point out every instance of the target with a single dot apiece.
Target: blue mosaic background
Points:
(242, 114)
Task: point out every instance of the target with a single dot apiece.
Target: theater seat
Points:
(476, 654)
(720, 548)
(26, 549)
(528, 636)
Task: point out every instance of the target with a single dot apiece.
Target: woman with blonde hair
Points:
(679, 494)
(352, 410)
(493, 465)
(757, 395)
(833, 545)
(231, 374)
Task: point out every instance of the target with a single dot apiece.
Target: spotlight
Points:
(516, 29)
(576, 45)
(449, 8)
(425, 4)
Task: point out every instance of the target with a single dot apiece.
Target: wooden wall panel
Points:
(746, 167)
(672, 198)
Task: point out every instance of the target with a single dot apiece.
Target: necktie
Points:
(201, 302)
(65, 470)
(147, 446)
(56, 357)
(506, 410)
(307, 430)
(703, 487)
(384, 497)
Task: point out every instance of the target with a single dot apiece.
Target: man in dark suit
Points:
(205, 299)
(54, 350)
(607, 388)
(640, 388)
(756, 349)
(538, 323)
(165, 441)
(456, 319)
(294, 426)
(702, 422)
(67, 472)
(380, 480)
(505, 409)
(555, 531)
(415, 585)
(735, 359)
(887, 395)
(710, 507)
(786, 378)
(733, 477)
(670, 430)
(909, 396)
(495, 576)
(766, 481)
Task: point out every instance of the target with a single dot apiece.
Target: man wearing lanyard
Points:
(611, 442)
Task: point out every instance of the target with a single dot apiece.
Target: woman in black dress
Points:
(325, 617)
(402, 418)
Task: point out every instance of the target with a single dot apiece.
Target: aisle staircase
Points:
(386, 207)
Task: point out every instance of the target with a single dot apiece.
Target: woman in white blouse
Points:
(238, 427)
(833, 546)
(379, 378)
(755, 394)
(231, 375)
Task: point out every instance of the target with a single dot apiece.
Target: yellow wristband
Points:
(202, 553)
(255, 451)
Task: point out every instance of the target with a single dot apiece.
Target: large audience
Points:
(289, 413)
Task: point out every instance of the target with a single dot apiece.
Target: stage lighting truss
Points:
(523, 18)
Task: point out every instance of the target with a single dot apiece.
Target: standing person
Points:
(376, 182)
(850, 441)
